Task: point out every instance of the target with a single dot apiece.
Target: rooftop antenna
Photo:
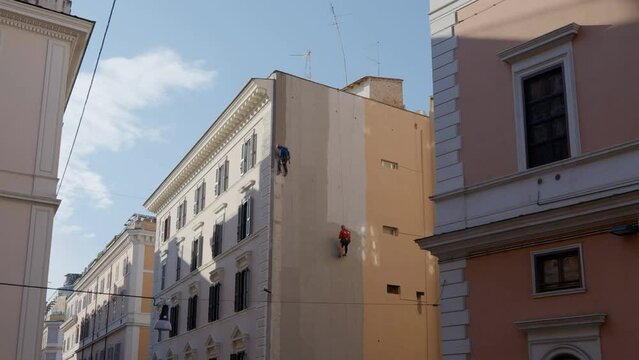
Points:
(307, 64)
(376, 60)
(339, 37)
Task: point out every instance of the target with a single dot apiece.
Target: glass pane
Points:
(572, 271)
(550, 271)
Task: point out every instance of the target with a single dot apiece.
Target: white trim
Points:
(543, 252)
(558, 36)
(560, 55)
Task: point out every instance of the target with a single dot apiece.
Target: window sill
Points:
(580, 290)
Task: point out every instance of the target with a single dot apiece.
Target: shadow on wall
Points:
(486, 96)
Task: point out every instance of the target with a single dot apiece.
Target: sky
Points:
(169, 68)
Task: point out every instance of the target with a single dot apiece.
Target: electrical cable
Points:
(86, 99)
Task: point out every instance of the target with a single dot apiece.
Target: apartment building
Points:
(41, 47)
(52, 340)
(537, 180)
(246, 258)
(107, 315)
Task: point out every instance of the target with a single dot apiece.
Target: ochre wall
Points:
(605, 68)
(500, 288)
(395, 325)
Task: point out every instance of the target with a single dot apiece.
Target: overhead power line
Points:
(86, 99)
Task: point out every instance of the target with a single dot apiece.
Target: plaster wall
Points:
(317, 306)
(393, 199)
(500, 292)
(602, 56)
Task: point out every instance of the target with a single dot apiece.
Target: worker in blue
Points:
(284, 157)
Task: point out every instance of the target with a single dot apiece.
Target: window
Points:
(166, 229)
(244, 222)
(390, 164)
(191, 317)
(241, 290)
(200, 198)
(196, 253)
(116, 352)
(181, 215)
(239, 356)
(545, 118)
(178, 263)
(390, 230)
(392, 289)
(249, 154)
(125, 266)
(174, 317)
(216, 240)
(214, 302)
(558, 270)
(222, 177)
(163, 275)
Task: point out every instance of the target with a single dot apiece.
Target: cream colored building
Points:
(247, 259)
(40, 53)
(100, 324)
(52, 338)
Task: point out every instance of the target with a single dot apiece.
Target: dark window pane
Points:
(545, 118)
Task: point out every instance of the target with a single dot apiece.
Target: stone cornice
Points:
(567, 321)
(250, 101)
(588, 217)
(74, 30)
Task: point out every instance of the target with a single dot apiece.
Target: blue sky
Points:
(170, 67)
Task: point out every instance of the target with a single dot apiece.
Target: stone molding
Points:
(561, 35)
(239, 113)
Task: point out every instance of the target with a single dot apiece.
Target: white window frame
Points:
(535, 57)
(535, 254)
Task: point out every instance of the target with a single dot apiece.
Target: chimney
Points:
(386, 90)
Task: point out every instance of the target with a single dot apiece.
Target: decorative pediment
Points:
(221, 207)
(175, 298)
(170, 355)
(194, 288)
(213, 349)
(198, 225)
(239, 339)
(243, 260)
(216, 275)
(246, 187)
(189, 352)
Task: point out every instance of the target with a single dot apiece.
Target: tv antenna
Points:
(376, 60)
(307, 64)
(339, 37)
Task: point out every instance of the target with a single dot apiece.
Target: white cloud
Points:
(122, 87)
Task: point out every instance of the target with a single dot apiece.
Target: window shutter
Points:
(177, 221)
(246, 289)
(243, 159)
(211, 291)
(168, 228)
(226, 174)
(196, 201)
(184, 214)
(240, 220)
(200, 250)
(189, 313)
(194, 312)
(218, 289)
(249, 216)
(234, 357)
(254, 150)
(238, 279)
(217, 181)
(162, 226)
(203, 196)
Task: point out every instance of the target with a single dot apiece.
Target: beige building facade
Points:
(40, 54)
(247, 259)
(108, 314)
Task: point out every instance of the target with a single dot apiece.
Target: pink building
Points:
(537, 185)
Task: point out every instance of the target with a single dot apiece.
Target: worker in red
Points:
(344, 239)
